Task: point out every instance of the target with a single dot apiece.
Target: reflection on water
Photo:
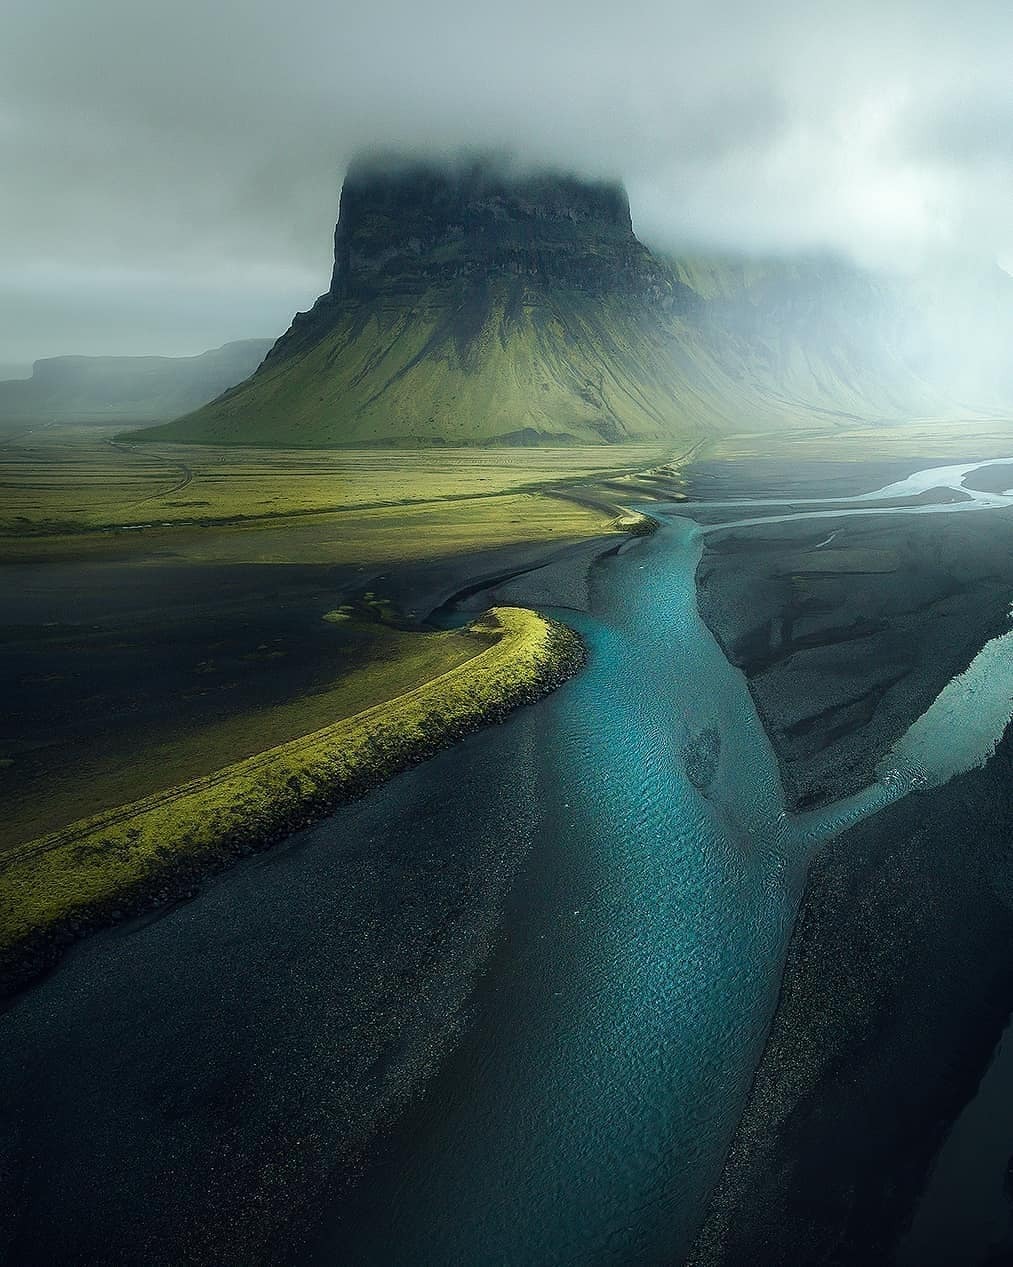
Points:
(963, 725)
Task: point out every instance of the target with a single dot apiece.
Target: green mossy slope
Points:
(503, 361)
(522, 365)
(509, 361)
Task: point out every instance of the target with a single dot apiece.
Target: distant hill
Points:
(470, 305)
(127, 388)
(839, 340)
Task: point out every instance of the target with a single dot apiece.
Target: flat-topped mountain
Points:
(125, 388)
(470, 304)
(474, 303)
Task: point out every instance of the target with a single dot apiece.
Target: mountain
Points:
(126, 388)
(471, 303)
(833, 338)
(468, 304)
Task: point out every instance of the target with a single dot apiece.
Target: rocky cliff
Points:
(404, 228)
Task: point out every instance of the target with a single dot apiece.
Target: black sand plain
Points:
(899, 979)
(103, 658)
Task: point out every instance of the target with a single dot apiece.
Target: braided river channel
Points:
(588, 1044)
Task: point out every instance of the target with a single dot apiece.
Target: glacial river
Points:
(607, 1048)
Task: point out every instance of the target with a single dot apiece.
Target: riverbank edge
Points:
(911, 693)
(810, 1047)
(860, 1050)
(153, 852)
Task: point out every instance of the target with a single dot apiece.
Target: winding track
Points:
(185, 473)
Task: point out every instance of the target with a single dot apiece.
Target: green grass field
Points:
(373, 663)
(66, 480)
(99, 864)
(138, 651)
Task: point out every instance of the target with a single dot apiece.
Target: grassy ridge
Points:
(537, 365)
(79, 771)
(141, 854)
(554, 367)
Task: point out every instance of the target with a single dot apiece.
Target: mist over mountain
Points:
(879, 132)
(474, 302)
(121, 388)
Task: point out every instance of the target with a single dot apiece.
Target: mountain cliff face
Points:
(401, 230)
(473, 304)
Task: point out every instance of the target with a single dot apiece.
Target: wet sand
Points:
(899, 978)
(848, 629)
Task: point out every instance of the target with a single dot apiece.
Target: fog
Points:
(171, 172)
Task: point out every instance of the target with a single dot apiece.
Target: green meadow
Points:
(169, 613)
(89, 870)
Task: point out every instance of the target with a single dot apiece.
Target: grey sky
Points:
(171, 171)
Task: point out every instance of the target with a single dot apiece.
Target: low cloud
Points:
(172, 172)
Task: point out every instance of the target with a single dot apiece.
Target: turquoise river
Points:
(579, 1107)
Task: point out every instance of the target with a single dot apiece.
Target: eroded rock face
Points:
(405, 227)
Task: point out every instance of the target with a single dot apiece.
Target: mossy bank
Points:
(152, 851)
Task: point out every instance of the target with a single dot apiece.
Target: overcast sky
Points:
(171, 170)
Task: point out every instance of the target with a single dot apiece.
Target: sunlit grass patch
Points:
(139, 851)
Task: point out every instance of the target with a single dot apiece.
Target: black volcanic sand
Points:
(125, 1137)
(561, 583)
(991, 479)
(400, 899)
(899, 979)
(137, 650)
(898, 985)
(844, 644)
(719, 480)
